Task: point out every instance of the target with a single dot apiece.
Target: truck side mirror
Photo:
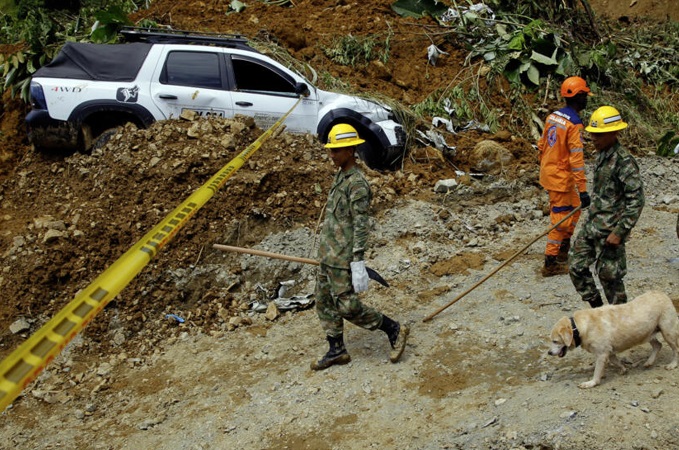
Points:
(302, 89)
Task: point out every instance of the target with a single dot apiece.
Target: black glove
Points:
(585, 201)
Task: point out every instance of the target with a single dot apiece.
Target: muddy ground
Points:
(476, 376)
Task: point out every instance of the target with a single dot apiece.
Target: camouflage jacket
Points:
(345, 230)
(618, 194)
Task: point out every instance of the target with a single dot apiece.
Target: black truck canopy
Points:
(100, 62)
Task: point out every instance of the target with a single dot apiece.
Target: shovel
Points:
(372, 274)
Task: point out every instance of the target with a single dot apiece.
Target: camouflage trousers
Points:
(610, 263)
(336, 301)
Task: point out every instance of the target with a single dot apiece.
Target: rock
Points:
(193, 131)
(53, 235)
(272, 312)
(490, 157)
(568, 414)
(443, 186)
(502, 136)
(20, 325)
(119, 337)
(669, 199)
(104, 369)
(377, 69)
(42, 221)
(188, 114)
(149, 423)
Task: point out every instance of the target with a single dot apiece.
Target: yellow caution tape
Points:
(24, 364)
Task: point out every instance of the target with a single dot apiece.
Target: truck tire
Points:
(101, 140)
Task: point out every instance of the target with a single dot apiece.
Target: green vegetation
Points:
(667, 144)
(7, 7)
(357, 50)
(32, 33)
(536, 44)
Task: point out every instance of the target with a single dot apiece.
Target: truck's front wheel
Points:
(101, 140)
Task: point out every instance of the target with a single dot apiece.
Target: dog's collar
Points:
(576, 333)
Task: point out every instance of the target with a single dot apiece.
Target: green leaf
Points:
(542, 59)
(533, 75)
(513, 76)
(502, 31)
(104, 34)
(517, 42)
(9, 79)
(566, 65)
(418, 8)
(113, 15)
(667, 143)
(237, 5)
(26, 90)
(585, 59)
(525, 65)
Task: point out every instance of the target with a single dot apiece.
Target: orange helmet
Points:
(573, 86)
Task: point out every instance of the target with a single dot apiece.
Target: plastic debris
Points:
(477, 11)
(436, 140)
(174, 318)
(279, 298)
(433, 53)
(443, 186)
(297, 302)
(436, 121)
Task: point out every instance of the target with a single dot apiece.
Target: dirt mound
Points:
(651, 9)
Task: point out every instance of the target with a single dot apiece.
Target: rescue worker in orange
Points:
(562, 172)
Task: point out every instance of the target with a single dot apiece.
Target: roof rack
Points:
(169, 36)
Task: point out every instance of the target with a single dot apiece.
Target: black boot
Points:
(397, 335)
(595, 302)
(337, 354)
(552, 267)
(562, 257)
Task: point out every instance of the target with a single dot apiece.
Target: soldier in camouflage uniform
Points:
(617, 201)
(342, 272)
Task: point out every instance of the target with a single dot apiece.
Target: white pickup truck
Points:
(89, 89)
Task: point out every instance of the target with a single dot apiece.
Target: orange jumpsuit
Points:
(562, 170)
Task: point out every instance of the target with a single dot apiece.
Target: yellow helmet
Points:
(604, 120)
(343, 135)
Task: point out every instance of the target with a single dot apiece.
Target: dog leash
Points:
(576, 333)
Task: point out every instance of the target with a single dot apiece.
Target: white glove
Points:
(359, 276)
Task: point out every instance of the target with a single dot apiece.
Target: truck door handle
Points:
(168, 97)
(243, 103)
